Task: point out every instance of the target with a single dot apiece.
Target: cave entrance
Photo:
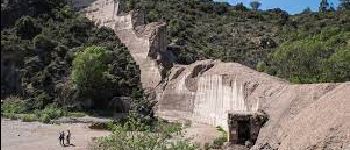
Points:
(243, 131)
(243, 127)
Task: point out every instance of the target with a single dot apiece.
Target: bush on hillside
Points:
(318, 58)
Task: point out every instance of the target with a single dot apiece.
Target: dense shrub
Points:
(29, 117)
(49, 113)
(318, 58)
(39, 46)
(134, 134)
(88, 70)
(219, 141)
(13, 105)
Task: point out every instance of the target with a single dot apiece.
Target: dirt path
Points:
(17, 135)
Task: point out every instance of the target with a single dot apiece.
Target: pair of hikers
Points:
(62, 137)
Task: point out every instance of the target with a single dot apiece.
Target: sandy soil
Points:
(201, 133)
(17, 135)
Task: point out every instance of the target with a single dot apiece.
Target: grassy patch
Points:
(49, 113)
(23, 117)
(29, 117)
(14, 109)
(219, 141)
(76, 114)
(13, 105)
(134, 134)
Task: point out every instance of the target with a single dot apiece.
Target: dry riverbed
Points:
(18, 135)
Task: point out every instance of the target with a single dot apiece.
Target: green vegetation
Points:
(219, 141)
(49, 113)
(13, 105)
(208, 29)
(15, 108)
(134, 134)
(88, 71)
(45, 56)
(323, 57)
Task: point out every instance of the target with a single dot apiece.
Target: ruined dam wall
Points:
(306, 116)
(312, 116)
(146, 42)
(208, 90)
(142, 42)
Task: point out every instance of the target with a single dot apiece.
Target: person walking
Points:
(68, 137)
(61, 138)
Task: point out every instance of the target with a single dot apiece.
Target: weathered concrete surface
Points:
(146, 42)
(301, 116)
(227, 86)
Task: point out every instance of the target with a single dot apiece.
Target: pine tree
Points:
(307, 10)
(344, 4)
(324, 6)
(332, 8)
(255, 5)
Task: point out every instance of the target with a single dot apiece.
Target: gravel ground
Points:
(18, 135)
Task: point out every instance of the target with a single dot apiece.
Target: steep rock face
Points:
(300, 116)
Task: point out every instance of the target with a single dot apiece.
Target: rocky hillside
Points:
(39, 46)
(264, 40)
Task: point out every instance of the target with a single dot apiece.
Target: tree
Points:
(255, 5)
(240, 7)
(26, 28)
(307, 10)
(338, 65)
(323, 57)
(131, 4)
(261, 67)
(88, 70)
(331, 8)
(344, 4)
(43, 42)
(324, 5)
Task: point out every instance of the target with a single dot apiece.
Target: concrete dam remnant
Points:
(146, 42)
(214, 100)
(230, 95)
(245, 127)
(233, 96)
